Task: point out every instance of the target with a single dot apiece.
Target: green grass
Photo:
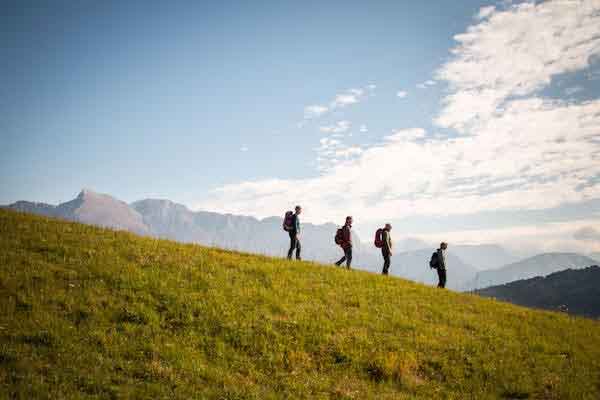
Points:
(93, 313)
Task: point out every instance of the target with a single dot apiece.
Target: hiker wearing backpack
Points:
(343, 238)
(291, 224)
(438, 262)
(386, 248)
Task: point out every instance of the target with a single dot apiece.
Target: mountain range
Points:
(539, 265)
(576, 291)
(468, 264)
(91, 208)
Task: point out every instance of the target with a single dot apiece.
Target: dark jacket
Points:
(441, 256)
(346, 236)
(295, 224)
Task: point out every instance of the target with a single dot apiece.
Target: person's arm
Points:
(346, 235)
(441, 259)
(386, 241)
(297, 223)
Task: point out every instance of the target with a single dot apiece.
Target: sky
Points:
(469, 121)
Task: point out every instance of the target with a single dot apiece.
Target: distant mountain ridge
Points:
(576, 291)
(166, 219)
(539, 265)
(91, 208)
(175, 221)
(483, 256)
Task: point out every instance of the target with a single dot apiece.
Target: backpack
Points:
(379, 238)
(339, 236)
(288, 221)
(433, 262)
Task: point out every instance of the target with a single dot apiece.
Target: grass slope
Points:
(93, 313)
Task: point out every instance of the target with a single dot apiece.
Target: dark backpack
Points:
(339, 236)
(288, 221)
(379, 238)
(433, 262)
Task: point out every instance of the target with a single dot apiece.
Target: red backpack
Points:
(288, 221)
(339, 236)
(379, 238)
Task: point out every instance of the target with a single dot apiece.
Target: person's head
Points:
(388, 227)
(348, 220)
(298, 209)
(443, 245)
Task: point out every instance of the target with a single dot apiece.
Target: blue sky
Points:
(464, 119)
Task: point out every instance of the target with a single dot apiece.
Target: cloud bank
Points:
(587, 234)
(508, 147)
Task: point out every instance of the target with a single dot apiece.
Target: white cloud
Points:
(516, 52)
(516, 151)
(314, 111)
(402, 135)
(332, 151)
(338, 127)
(244, 149)
(506, 167)
(348, 152)
(341, 100)
(327, 143)
(587, 234)
(538, 238)
(426, 84)
(572, 90)
(401, 94)
(351, 96)
(485, 12)
(363, 128)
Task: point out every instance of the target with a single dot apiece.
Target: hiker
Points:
(291, 224)
(386, 248)
(343, 238)
(441, 265)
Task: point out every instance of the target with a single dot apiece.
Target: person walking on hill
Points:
(386, 248)
(343, 238)
(441, 265)
(294, 232)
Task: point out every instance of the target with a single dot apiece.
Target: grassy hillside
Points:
(93, 313)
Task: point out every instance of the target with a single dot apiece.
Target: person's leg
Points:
(341, 260)
(292, 245)
(444, 278)
(348, 252)
(298, 248)
(441, 278)
(386, 262)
